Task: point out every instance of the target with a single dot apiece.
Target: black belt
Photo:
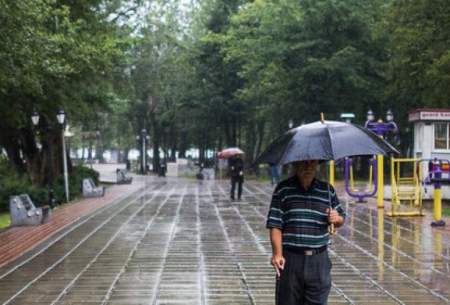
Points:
(305, 251)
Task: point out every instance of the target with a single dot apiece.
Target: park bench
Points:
(90, 190)
(122, 177)
(23, 212)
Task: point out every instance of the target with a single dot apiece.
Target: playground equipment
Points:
(349, 181)
(347, 117)
(431, 128)
(438, 175)
(406, 187)
(381, 129)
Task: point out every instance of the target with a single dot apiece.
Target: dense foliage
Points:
(208, 74)
(262, 63)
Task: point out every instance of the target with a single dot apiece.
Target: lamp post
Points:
(143, 137)
(61, 116)
(381, 129)
(51, 201)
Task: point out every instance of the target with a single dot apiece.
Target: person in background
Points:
(236, 165)
(274, 174)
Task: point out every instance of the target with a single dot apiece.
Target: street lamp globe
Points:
(370, 115)
(291, 124)
(389, 116)
(35, 118)
(61, 116)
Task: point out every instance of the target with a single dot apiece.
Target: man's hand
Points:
(334, 217)
(278, 263)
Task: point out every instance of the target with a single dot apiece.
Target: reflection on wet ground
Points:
(184, 242)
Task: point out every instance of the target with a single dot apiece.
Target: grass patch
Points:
(4, 220)
(446, 211)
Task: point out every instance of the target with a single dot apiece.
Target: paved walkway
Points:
(16, 241)
(184, 242)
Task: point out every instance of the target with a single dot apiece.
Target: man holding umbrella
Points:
(302, 207)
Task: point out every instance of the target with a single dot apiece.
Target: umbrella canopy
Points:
(229, 152)
(327, 140)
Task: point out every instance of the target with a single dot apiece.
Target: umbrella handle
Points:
(331, 228)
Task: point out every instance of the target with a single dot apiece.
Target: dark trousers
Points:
(236, 180)
(305, 280)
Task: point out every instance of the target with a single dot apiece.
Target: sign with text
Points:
(429, 116)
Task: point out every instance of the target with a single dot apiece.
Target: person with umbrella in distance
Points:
(236, 168)
(304, 210)
(236, 165)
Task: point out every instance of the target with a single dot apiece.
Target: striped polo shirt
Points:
(301, 213)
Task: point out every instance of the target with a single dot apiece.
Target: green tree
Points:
(419, 51)
(54, 54)
(300, 58)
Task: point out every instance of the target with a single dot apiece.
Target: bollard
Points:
(435, 178)
(437, 208)
(352, 179)
(380, 177)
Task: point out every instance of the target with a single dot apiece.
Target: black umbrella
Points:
(324, 140)
(327, 140)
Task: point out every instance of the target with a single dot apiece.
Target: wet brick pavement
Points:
(184, 242)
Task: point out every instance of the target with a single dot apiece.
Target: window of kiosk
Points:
(418, 137)
(441, 136)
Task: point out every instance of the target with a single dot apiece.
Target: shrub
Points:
(76, 177)
(10, 183)
(13, 184)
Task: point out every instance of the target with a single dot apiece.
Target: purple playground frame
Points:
(435, 172)
(360, 195)
(383, 128)
(435, 178)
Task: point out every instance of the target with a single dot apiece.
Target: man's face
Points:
(306, 170)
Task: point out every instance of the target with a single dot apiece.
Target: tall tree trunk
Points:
(9, 142)
(156, 142)
(89, 156)
(182, 147)
(260, 130)
(99, 151)
(234, 133)
(120, 158)
(83, 152)
(42, 162)
(173, 143)
(173, 156)
(124, 158)
(228, 129)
